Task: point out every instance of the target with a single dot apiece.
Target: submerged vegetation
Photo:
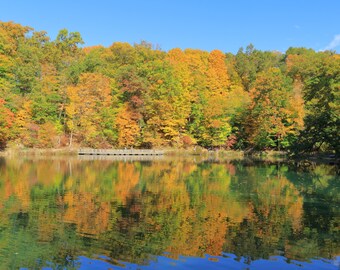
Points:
(55, 93)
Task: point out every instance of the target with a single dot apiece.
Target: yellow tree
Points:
(128, 128)
(217, 73)
(216, 100)
(180, 61)
(166, 104)
(88, 102)
(6, 121)
(22, 124)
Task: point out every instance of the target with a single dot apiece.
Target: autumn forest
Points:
(58, 93)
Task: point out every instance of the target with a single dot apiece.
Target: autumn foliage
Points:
(6, 121)
(54, 93)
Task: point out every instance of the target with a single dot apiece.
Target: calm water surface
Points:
(167, 214)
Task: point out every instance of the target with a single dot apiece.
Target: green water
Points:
(82, 214)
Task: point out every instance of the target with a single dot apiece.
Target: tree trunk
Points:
(71, 138)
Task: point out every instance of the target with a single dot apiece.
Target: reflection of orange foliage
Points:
(202, 231)
(187, 240)
(279, 193)
(189, 168)
(90, 216)
(192, 206)
(46, 228)
(127, 179)
(236, 210)
(215, 227)
(22, 190)
(231, 168)
(296, 211)
(44, 172)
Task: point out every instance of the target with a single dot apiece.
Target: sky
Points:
(226, 25)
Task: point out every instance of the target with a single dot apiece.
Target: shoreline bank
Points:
(201, 152)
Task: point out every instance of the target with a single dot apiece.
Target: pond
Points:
(78, 213)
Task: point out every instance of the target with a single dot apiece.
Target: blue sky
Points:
(204, 24)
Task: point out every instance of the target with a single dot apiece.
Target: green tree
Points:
(320, 74)
(269, 121)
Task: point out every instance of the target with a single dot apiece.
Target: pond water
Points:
(167, 214)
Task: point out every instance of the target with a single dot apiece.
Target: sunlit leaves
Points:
(6, 121)
(254, 99)
(321, 77)
(85, 107)
(270, 117)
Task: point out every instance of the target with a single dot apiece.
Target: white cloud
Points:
(333, 44)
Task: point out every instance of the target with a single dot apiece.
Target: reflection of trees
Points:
(320, 182)
(131, 210)
(281, 219)
(320, 188)
(204, 220)
(275, 210)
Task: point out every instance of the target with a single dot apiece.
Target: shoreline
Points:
(305, 160)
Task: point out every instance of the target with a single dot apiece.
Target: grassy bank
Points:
(171, 152)
(218, 154)
(32, 152)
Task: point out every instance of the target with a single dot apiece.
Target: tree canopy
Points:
(56, 93)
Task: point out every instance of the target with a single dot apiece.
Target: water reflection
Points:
(60, 213)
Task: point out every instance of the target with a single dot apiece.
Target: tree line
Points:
(57, 93)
